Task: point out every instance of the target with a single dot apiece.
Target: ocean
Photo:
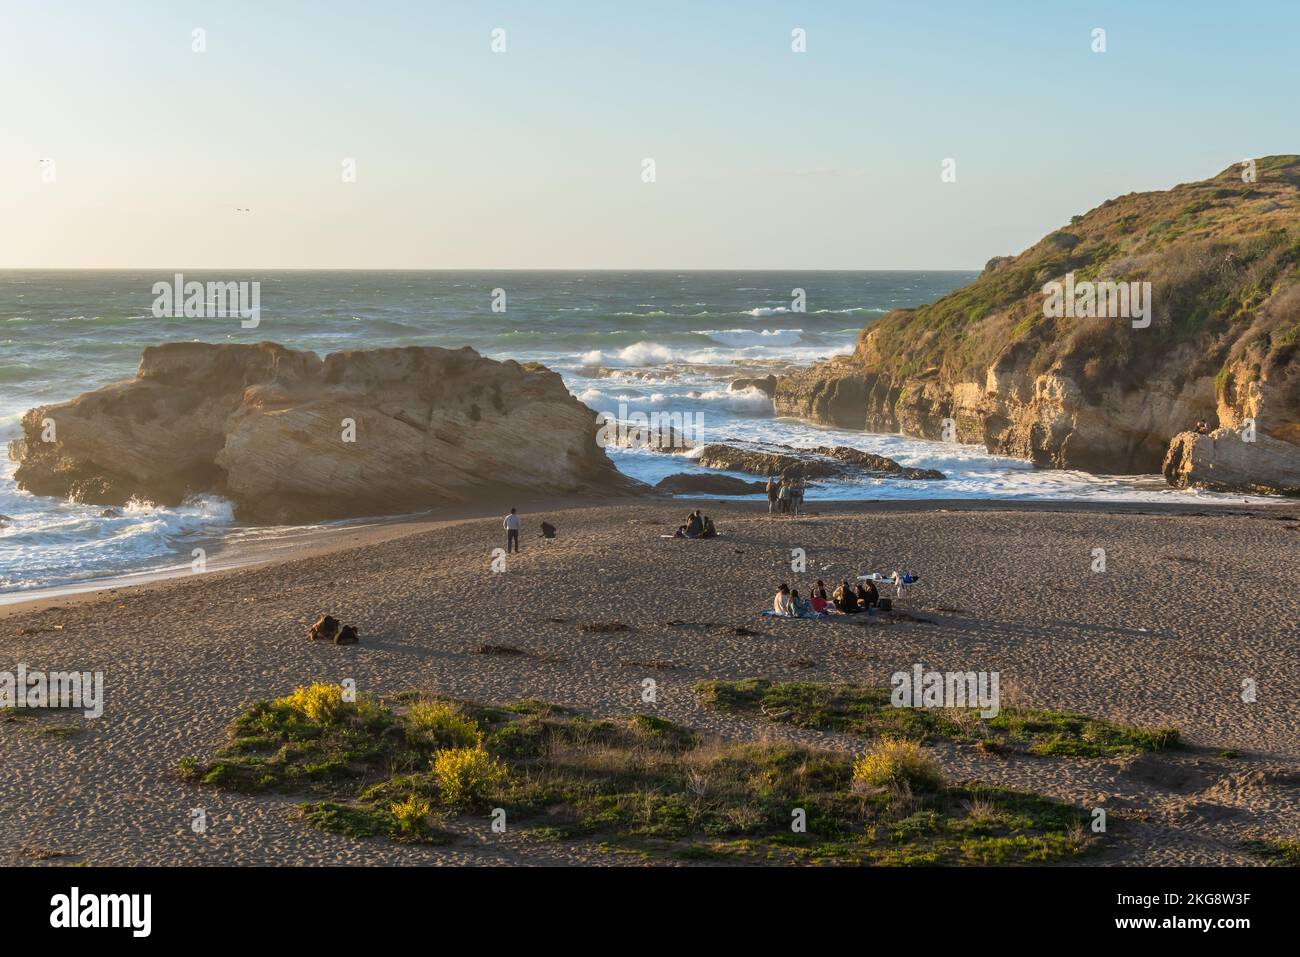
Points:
(623, 341)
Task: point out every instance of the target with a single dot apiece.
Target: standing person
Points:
(783, 498)
(796, 496)
(773, 493)
(512, 530)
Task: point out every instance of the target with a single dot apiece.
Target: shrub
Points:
(411, 814)
(466, 775)
(441, 725)
(320, 702)
(893, 761)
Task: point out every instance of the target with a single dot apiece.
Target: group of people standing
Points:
(846, 598)
(784, 495)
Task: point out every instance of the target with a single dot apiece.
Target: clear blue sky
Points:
(532, 158)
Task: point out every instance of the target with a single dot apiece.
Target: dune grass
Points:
(1277, 851)
(866, 710)
(410, 768)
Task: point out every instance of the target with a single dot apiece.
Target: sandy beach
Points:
(1194, 600)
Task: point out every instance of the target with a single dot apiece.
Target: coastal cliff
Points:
(291, 437)
(1081, 388)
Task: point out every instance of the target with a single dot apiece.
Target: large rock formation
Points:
(1224, 461)
(290, 437)
(985, 364)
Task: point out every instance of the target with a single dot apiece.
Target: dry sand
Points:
(1192, 602)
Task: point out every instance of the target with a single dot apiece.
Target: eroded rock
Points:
(291, 437)
(688, 483)
(1223, 461)
(817, 463)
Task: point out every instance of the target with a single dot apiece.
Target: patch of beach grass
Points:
(1277, 851)
(401, 822)
(640, 785)
(867, 711)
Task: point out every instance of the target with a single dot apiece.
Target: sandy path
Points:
(1190, 604)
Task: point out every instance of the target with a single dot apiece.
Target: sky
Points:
(121, 146)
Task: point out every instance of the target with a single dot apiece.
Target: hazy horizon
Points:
(143, 144)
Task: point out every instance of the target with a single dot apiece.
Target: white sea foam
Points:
(767, 338)
(50, 541)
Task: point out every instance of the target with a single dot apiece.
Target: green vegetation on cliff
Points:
(1223, 258)
(1212, 334)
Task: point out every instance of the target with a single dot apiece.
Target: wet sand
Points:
(1194, 600)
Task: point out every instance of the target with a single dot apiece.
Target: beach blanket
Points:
(771, 613)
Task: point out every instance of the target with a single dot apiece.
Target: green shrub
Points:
(319, 702)
(893, 762)
(411, 814)
(442, 726)
(467, 775)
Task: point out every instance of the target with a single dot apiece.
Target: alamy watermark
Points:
(75, 909)
(653, 430)
(919, 688)
(53, 689)
(213, 300)
(1098, 300)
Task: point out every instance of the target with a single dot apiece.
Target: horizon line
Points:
(4, 269)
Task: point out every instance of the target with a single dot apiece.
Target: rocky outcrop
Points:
(993, 364)
(291, 437)
(815, 463)
(766, 385)
(693, 483)
(1224, 461)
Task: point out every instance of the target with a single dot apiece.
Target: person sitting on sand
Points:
(867, 595)
(844, 598)
(709, 530)
(781, 601)
(818, 598)
(800, 607)
(694, 525)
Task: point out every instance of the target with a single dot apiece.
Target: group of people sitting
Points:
(846, 599)
(697, 526)
(784, 495)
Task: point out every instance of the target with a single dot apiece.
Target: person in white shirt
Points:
(512, 530)
(781, 602)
